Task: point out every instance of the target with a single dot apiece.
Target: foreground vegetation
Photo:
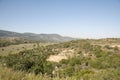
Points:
(89, 60)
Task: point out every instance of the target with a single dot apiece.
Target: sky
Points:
(74, 18)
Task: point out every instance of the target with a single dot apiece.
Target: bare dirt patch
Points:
(64, 54)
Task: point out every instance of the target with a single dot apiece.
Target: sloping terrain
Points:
(7, 41)
(73, 60)
(64, 54)
(36, 37)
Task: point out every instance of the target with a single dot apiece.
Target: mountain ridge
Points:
(36, 37)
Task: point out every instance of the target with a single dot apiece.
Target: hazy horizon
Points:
(74, 18)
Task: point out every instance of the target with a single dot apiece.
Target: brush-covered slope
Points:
(80, 60)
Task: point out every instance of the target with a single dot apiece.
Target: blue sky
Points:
(75, 18)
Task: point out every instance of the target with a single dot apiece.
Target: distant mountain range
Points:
(36, 37)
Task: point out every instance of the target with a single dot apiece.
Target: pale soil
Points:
(112, 45)
(64, 54)
(118, 45)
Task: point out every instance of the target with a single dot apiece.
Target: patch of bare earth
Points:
(64, 54)
(118, 45)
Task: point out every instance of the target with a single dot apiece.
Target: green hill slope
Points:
(82, 59)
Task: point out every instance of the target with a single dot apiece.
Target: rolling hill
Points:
(36, 37)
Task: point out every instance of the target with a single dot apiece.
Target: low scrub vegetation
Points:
(89, 62)
(12, 41)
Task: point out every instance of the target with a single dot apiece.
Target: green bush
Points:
(30, 62)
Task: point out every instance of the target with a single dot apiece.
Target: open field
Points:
(13, 49)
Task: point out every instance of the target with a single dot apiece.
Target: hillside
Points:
(36, 37)
(73, 60)
(7, 41)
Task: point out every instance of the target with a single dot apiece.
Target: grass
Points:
(9, 74)
(13, 49)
